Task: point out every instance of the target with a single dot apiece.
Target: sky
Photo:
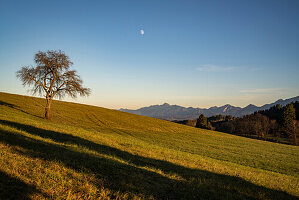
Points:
(192, 53)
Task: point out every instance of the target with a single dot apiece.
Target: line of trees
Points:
(279, 124)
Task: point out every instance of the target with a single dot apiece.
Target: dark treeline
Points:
(279, 124)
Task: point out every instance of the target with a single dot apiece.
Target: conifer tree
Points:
(202, 122)
(288, 117)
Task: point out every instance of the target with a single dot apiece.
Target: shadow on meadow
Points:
(118, 176)
(3, 103)
(13, 188)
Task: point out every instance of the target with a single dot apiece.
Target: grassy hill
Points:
(88, 152)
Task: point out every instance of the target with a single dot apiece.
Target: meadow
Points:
(89, 152)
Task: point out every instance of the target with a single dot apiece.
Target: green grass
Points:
(88, 152)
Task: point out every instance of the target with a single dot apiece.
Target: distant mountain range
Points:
(175, 112)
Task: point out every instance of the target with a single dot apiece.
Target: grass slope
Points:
(88, 152)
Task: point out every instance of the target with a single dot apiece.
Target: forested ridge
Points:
(278, 124)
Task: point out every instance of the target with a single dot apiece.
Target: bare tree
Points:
(52, 77)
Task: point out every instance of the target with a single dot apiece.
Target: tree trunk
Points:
(47, 109)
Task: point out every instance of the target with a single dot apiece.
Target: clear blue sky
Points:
(193, 53)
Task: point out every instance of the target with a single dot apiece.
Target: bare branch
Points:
(52, 76)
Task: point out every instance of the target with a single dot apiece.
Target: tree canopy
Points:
(52, 77)
(202, 122)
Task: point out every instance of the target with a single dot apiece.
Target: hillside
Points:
(88, 152)
(175, 112)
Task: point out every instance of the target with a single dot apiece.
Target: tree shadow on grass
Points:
(13, 188)
(134, 178)
(17, 108)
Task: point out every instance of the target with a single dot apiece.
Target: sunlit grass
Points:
(90, 152)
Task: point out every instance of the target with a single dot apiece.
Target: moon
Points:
(142, 32)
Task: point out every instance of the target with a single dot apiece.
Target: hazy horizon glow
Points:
(139, 53)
